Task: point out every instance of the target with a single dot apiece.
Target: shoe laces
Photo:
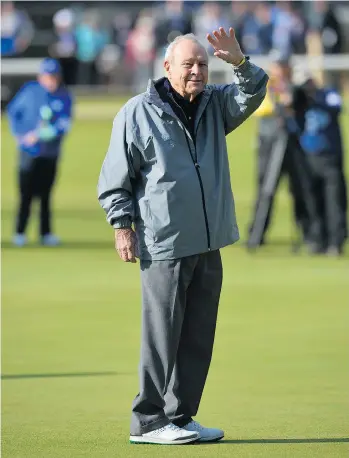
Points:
(173, 427)
(169, 426)
(196, 425)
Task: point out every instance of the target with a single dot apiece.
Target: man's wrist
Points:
(239, 62)
(124, 222)
(123, 229)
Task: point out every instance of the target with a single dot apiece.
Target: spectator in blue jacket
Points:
(90, 39)
(39, 117)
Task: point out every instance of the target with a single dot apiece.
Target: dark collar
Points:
(156, 95)
(182, 101)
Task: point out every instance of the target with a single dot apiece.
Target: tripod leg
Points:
(268, 188)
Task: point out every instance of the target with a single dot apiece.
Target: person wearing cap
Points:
(39, 117)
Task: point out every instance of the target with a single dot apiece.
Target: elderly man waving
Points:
(166, 174)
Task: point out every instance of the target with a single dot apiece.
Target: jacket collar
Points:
(152, 96)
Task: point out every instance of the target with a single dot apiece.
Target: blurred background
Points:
(117, 45)
(70, 314)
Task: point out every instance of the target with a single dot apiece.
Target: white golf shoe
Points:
(19, 240)
(50, 240)
(167, 435)
(206, 434)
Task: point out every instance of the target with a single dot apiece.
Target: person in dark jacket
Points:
(166, 173)
(276, 118)
(319, 112)
(39, 117)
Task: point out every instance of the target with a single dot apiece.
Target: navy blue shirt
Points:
(183, 108)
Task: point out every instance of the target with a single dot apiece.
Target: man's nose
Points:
(195, 69)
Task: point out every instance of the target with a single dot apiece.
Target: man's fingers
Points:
(218, 54)
(123, 254)
(127, 254)
(126, 244)
(222, 56)
(223, 34)
(212, 41)
(130, 254)
(217, 34)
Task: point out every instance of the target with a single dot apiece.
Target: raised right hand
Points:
(126, 244)
(226, 46)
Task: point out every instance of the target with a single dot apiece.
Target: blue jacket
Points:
(33, 108)
(321, 132)
(175, 187)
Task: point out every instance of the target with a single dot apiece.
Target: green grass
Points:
(71, 320)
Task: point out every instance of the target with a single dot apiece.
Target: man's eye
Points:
(187, 65)
(203, 65)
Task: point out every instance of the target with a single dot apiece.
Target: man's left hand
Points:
(29, 139)
(126, 244)
(226, 46)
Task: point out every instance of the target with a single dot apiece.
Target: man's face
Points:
(187, 69)
(50, 82)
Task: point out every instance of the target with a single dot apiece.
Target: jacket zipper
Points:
(197, 168)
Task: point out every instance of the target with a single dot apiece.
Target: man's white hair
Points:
(174, 43)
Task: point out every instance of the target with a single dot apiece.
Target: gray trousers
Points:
(179, 313)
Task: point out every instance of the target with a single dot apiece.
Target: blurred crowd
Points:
(93, 46)
(91, 43)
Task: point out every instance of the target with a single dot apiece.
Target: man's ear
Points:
(167, 67)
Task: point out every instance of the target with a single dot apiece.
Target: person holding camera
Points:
(279, 153)
(318, 112)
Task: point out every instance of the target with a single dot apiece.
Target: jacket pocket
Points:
(147, 220)
(160, 216)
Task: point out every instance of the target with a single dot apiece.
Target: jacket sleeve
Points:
(15, 110)
(64, 121)
(119, 170)
(241, 98)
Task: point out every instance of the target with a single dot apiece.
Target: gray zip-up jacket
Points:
(176, 189)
